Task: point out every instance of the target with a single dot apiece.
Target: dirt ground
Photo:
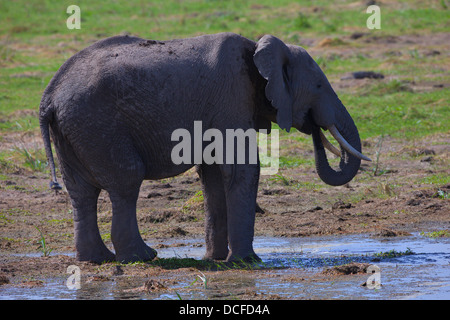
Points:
(395, 202)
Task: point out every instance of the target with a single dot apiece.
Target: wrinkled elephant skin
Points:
(111, 110)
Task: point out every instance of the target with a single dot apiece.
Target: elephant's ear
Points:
(272, 58)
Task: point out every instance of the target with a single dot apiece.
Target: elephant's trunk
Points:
(347, 135)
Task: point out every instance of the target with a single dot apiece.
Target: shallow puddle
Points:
(292, 268)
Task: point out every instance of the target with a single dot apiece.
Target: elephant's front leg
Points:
(241, 187)
(216, 212)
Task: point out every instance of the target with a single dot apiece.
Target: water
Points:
(422, 275)
(293, 270)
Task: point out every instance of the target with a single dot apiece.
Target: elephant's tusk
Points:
(339, 138)
(327, 144)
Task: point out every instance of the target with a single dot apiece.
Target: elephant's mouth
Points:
(309, 127)
(347, 136)
(342, 142)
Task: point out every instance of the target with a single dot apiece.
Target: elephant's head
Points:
(304, 99)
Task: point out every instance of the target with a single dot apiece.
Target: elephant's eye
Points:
(319, 86)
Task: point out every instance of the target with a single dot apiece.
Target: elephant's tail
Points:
(45, 117)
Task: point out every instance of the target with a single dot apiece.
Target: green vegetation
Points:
(437, 179)
(393, 253)
(398, 112)
(34, 159)
(442, 194)
(42, 244)
(436, 234)
(206, 265)
(193, 203)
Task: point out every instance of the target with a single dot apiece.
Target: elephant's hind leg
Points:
(125, 235)
(88, 242)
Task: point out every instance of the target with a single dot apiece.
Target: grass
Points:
(34, 159)
(437, 180)
(205, 265)
(405, 115)
(283, 180)
(394, 254)
(4, 220)
(436, 234)
(20, 157)
(42, 244)
(441, 194)
(193, 203)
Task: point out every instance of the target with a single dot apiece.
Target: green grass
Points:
(393, 253)
(437, 234)
(436, 179)
(399, 113)
(294, 161)
(208, 265)
(34, 160)
(42, 244)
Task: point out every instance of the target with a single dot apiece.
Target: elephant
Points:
(111, 109)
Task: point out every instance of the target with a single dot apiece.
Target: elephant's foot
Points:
(216, 251)
(140, 252)
(244, 259)
(215, 255)
(99, 256)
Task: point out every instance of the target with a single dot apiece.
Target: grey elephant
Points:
(112, 107)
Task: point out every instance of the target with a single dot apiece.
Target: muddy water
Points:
(292, 269)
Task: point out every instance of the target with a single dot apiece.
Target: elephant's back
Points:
(124, 62)
(128, 82)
